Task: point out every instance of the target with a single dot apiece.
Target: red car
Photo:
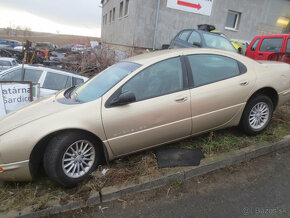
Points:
(262, 46)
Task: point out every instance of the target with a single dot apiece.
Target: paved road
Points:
(257, 188)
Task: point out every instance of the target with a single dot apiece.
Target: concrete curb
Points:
(177, 174)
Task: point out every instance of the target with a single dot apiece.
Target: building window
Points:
(110, 19)
(121, 9)
(233, 20)
(105, 19)
(126, 8)
(114, 10)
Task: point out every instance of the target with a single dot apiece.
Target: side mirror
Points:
(197, 44)
(124, 98)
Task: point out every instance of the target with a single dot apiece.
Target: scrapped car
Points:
(45, 46)
(262, 46)
(6, 63)
(10, 43)
(139, 103)
(191, 38)
(50, 80)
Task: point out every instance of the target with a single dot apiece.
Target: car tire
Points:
(257, 115)
(70, 157)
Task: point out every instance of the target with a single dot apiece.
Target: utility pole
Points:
(156, 24)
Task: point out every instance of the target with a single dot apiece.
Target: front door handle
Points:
(181, 99)
(261, 54)
(244, 83)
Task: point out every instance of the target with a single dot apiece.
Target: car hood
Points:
(34, 111)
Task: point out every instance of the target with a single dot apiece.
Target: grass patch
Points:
(132, 167)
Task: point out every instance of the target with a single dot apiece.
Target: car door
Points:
(221, 86)
(160, 114)
(252, 51)
(54, 82)
(180, 40)
(269, 46)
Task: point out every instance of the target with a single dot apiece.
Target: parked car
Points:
(280, 56)
(142, 102)
(262, 46)
(50, 80)
(6, 63)
(64, 49)
(79, 47)
(10, 43)
(45, 46)
(191, 38)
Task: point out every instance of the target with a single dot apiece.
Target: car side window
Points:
(184, 34)
(159, 79)
(31, 75)
(5, 63)
(219, 42)
(254, 46)
(271, 45)
(194, 37)
(14, 75)
(209, 68)
(57, 81)
(288, 46)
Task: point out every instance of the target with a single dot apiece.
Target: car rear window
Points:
(271, 44)
(288, 46)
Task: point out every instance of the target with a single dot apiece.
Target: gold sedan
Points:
(137, 104)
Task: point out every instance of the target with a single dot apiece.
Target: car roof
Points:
(46, 69)
(272, 35)
(7, 59)
(149, 57)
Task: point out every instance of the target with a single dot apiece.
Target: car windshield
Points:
(219, 42)
(101, 83)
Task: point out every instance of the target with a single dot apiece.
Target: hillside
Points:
(58, 39)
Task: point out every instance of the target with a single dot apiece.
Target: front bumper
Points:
(18, 171)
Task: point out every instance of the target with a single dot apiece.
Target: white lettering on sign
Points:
(15, 96)
(2, 107)
(195, 6)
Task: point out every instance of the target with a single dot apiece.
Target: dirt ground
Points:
(255, 188)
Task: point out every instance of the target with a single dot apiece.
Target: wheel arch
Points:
(268, 91)
(36, 156)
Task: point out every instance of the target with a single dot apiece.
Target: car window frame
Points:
(59, 73)
(190, 73)
(287, 39)
(200, 37)
(184, 77)
(185, 30)
(266, 38)
(257, 47)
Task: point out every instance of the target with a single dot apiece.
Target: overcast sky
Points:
(78, 17)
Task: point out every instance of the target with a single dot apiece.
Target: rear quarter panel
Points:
(275, 75)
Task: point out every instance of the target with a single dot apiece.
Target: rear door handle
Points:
(181, 99)
(244, 83)
(261, 54)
